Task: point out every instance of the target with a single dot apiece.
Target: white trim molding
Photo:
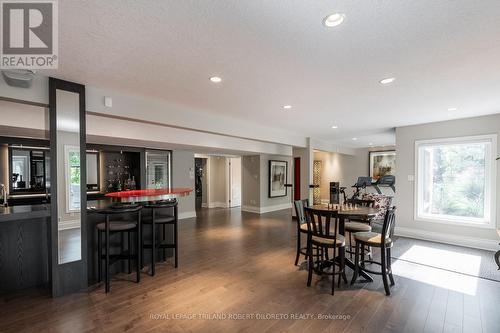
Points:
(68, 224)
(266, 209)
(218, 205)
(187, 215)
(489, 219)
(477, 243)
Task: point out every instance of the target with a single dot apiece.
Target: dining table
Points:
(345, 212)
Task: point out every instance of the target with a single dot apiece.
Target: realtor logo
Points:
(29, 35)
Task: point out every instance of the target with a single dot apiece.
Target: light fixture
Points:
(370, 144)
(387, 80)
(335, 127)
(287, 107)
(452, 109)
(333, 20)
(215, 79)
(354, 139)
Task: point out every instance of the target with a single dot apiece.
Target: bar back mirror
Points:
(69, 189)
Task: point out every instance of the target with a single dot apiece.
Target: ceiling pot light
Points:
(333, 20)
(452, 109)
(354, 139)
(370, 144)
(387, 80)
(215, 79)
(335, 127)
(287, 107)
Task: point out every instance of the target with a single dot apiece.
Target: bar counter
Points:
(24, 212)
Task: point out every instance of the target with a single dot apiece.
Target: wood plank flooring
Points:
(236, 274)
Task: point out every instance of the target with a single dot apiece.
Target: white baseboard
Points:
(204, 205)
(266, 209)
(187, 215)
(71, 224)
(217, 205)
(477, 243)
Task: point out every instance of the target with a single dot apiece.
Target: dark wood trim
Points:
(156, 123)
(21, 101)
(69, 277)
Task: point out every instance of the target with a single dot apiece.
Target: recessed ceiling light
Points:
(335, 127)
(354, 139)
(387, 80)
(452, 109)
(333, 20)
(286, 107)
(215, 79)
(370, 144)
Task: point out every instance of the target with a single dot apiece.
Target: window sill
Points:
(478, 225)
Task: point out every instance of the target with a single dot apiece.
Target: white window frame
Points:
(489, 220)
(67, 150)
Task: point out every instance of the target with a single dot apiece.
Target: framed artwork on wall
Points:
(278, 171)
(382, 163)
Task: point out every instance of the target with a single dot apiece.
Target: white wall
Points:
(405, 159)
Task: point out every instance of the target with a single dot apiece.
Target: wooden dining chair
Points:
(323, 233)
(384, 241)
(358, 224)
(301, 227)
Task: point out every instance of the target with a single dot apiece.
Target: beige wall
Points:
(405, 148)
(218, 181)
(250, 181)
(183, 176)
(265, 201)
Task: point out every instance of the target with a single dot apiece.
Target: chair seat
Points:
(117, 225)
(329, 241)
(357, 226)
(371, 238)
(160, 219)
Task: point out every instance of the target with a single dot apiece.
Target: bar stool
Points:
(163, 213)
(384, 241)
(324, 236)
(301, 227)
(113, 224)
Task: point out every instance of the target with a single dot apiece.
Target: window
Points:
(456, 180)
(72, 179)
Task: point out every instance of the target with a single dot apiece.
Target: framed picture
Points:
(278, 171)
(382, 163)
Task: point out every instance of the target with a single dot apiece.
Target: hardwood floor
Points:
(241, 264)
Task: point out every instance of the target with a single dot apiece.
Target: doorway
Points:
(217, 181)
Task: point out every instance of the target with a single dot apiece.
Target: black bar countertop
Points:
(24, 212)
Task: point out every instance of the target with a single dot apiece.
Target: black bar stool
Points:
(114, 224)
(163, 213)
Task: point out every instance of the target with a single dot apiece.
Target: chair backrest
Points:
(121, 210)
(389, 224)
(299, 210)
(162, 204)
(361, 202)
(382, 202)
(319, 222)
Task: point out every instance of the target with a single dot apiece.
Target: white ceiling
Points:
(271, 53)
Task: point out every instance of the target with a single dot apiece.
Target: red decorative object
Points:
(150, 194)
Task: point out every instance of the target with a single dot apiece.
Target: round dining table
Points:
(344, 212)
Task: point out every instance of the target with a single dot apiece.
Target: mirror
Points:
(92, 171)
(158, 169)
(28, 170)
(68, 176)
